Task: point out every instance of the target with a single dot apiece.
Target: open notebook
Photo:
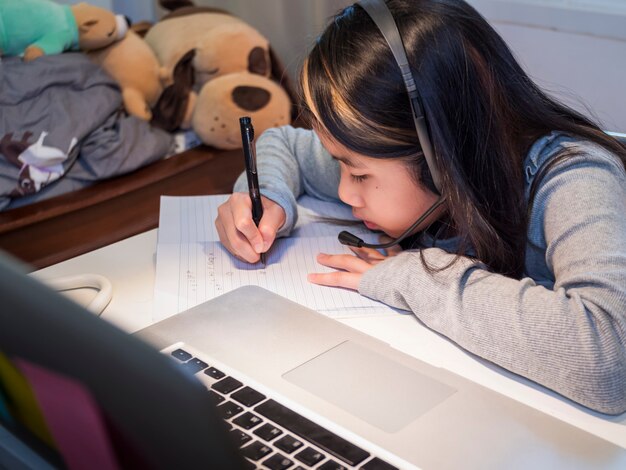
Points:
(193, 266)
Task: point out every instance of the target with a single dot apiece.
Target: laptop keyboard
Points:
(270, 435)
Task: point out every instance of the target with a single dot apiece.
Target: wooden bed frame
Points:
(71, 224)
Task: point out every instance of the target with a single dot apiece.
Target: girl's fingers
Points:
(236, 243)
(232, 239)
(238, 232)
(368, 254)
(393, 250)
(273, 219)
(343, 279)
(241, 210)
(345, 262)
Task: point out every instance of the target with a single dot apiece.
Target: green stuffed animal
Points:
(33, 28)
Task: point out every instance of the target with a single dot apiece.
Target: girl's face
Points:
(381, 192)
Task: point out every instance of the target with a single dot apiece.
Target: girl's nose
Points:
(348, 192)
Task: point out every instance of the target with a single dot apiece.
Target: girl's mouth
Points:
(371, 225)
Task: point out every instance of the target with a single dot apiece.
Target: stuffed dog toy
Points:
(223, 43)
(221, 69)
(132, 63)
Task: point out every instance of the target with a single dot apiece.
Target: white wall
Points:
(579, 55)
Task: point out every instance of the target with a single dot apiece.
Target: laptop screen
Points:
(56, 357)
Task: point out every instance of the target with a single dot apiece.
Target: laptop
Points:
(253, 380)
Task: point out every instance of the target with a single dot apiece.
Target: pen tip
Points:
(264, 259)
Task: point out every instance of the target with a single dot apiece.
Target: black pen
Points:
(249, 155)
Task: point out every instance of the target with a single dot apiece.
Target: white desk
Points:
(131, 265)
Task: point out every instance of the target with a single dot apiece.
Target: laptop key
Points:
(256, 451)
(312, 432)
(331, 465)
(215, 373)
(248, 396)
(277, 462)
(249, 465)
(229, 409)
(309, 456)
(377, 464)
(181, 355)
(216, 397)
(267, 432)
(288, 444)
(194, 365)
(248, 420)
(240, 437)
(226, 385)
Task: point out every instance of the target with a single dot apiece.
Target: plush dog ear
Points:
(141, 28)
(87, 25)
(169, 111)
(258, 62)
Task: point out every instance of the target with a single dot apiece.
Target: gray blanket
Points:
(62, 127)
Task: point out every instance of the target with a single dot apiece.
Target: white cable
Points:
(81, 281)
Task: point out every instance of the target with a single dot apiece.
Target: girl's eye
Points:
(358, 178)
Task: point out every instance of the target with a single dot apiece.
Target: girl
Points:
(524, 263)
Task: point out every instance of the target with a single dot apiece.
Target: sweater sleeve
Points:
(569, 336)
(55, 42)
(292, 162)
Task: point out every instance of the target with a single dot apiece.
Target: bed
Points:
(87, 205)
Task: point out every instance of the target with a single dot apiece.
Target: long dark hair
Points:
(483, 113)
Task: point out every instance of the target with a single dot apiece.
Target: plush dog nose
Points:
(250, 98)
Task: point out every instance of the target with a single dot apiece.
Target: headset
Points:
(383, 19)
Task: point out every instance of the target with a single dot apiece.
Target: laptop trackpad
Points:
(378, 390)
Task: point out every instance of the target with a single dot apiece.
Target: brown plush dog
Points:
(97, 27)
(133, 64)
(223, 43)
(222, 70)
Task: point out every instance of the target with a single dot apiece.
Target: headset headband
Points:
(383, 19)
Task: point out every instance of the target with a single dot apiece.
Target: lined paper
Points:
(193, 266)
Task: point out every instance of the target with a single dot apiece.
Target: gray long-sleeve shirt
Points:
(562, 325)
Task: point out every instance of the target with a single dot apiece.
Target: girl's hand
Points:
(237, 230)
(350, 267)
